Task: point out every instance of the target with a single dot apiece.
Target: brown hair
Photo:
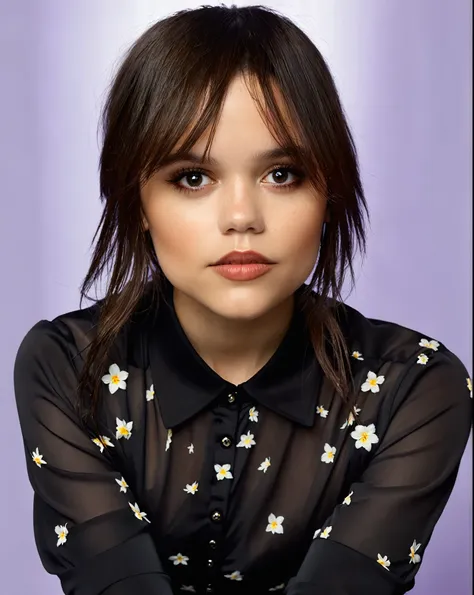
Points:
(182, 66)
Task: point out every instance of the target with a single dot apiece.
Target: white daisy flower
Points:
(429, 344)
(139, 514)
(62, 532)
(124, 429)
(469, 385)
(384, 562)
(328, 455)
(279, 587)
(275, 524)
(351, 418)
(123, 485)
(321, 411)
(38, 458)
(246, 440)
(179, 559)
(414, 557)
(357, 355)
(422, 359)
(102, 441)
(365, 436)
(253, 414)
(191, 488)
(372, 383)
(190, 448)
(347, 500)
(115, 378)
(325, 533)
(150, 393)
(234, 576)
(223, 471)
(188, 588)
(316, 533)
(264, 466)
(169, 438)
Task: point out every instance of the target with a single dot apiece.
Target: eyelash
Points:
(178, 175)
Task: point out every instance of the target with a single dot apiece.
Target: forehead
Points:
(243, 112)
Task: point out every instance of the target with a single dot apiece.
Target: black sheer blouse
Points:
(197, 485)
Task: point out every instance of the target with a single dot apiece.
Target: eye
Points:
(194, 178)
(191, 176)
(281, 173)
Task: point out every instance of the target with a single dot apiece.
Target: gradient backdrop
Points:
(403, 68)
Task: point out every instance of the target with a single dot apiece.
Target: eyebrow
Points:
(263, 156)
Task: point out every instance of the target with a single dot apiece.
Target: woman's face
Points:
(239, 203)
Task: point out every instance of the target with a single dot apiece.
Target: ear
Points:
(145, 221)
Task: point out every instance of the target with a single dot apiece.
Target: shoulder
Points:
(69, 332)
(387, 341)
(73, 331)
(418, 370)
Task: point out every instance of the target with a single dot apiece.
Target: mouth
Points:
(243, 258)
(242, 272)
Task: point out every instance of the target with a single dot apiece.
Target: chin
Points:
(242, 300)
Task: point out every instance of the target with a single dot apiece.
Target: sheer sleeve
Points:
(375, 539)
(88, 528)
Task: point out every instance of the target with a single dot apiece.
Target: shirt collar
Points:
(184, 384)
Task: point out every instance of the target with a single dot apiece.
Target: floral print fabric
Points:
(248, 489)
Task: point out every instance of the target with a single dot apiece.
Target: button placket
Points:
(226, 415)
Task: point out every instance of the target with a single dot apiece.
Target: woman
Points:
(213, 424)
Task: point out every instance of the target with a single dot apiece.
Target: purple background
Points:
(403, 69)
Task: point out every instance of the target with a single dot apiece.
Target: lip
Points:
(243, 258)
(242, 272)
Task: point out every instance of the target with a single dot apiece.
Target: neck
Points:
(235, 349)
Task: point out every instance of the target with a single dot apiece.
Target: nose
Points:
(240, 208)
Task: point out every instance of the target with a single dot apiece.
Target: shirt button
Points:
(212, 544)
(231, 397)
(226, 441)
(216, 516)
(210, 563)
(209, 589)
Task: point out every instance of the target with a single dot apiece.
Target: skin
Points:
(235, 326)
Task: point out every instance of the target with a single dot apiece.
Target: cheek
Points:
(301, 232)
(176, 235)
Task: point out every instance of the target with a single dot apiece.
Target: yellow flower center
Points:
(115, 379)
(330, 455)
(373, 381)
(274, 524)
(123, 430)
(364, 437)
(222, 472)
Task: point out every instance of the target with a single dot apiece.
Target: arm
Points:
(85, 529)
(378, 538)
